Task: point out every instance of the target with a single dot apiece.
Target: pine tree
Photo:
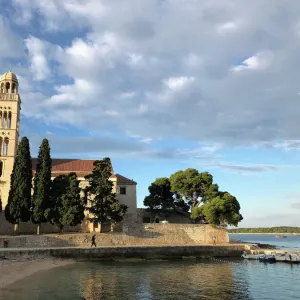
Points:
(103, 203)
(67, 208)
(42, 184)
(19, 198)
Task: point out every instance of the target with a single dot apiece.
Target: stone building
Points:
(10, 107)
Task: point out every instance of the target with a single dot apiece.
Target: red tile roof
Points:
(123, 180)
(81, 167)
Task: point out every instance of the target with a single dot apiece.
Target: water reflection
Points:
(164, 280)
(160, 280)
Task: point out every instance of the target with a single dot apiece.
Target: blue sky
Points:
(160, 86)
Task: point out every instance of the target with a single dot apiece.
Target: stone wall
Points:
(146, 252)
(144, 235)
(29, 228)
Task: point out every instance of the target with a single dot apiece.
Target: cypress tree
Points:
(103, 203)
(19, 198)
(42, 184)
(67, 207)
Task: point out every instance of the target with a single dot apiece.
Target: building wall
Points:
(129, 199)
(8, 103)
(145, 216)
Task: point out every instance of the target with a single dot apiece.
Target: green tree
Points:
(102, 203)
(162, 198)
(42, 184)
(190, 185)
(19, 198)
(223, 209)
(66, 206)
(217, 207)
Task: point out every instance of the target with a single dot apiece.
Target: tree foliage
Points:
(190, 185)
(102, 203)
(196, 191)
(161, 197)
(19, 198)
(66, 206)
(42, 184)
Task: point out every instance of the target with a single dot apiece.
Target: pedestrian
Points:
(93, 241)
(214, 240)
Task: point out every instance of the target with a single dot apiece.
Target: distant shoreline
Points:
(273, 233)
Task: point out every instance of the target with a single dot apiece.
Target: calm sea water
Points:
(213, 280)
(291, 242)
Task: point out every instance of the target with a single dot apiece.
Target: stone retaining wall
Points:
(145, 252)
(151, 234)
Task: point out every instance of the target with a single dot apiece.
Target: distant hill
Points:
(281, 229)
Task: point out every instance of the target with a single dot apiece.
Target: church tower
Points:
(10, 106)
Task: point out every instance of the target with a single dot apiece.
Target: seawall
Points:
(135, 235)
(144, 252)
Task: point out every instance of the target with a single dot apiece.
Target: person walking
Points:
(214, 240)
(94, 241)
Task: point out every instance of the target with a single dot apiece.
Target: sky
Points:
(164, 85)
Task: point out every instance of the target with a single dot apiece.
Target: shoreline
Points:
(18, 269)
(270, 233)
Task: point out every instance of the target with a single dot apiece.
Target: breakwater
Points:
(145, 252)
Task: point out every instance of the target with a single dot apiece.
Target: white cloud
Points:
(259, 61)
(226, 27)
(178, 83)
(137, 61)
(37, 56)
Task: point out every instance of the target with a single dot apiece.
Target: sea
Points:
(211, 279)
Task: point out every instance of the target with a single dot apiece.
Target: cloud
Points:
(248, 167)
(259, 61)
(227, 74)
(37, 56)
(296, 205)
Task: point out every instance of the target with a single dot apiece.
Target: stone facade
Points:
(10, 106)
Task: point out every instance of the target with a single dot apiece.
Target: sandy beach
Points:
(13, 270)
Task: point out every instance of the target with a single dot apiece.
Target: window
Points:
(123, 190)
(146, 220)
(1, 168)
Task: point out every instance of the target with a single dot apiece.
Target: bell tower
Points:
(10, 106)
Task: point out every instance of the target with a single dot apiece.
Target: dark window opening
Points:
(146, 220)
(122, 190)
(156, 220)
(1, 168)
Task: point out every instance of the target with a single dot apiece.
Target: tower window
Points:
(1, 168)
(9, 120)
(123, 190)
(5, 146)
(7, 87)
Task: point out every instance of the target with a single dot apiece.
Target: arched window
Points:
(14, 88)
(4, 120)
(5, 146)
(7, 87)
(1, 145)
(9, 120)
(2, 87)
(1, 119)
(1, 168)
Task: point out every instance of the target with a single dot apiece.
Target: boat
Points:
(270, 258)
(287, 257)
(260, 257)
(281, 236)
